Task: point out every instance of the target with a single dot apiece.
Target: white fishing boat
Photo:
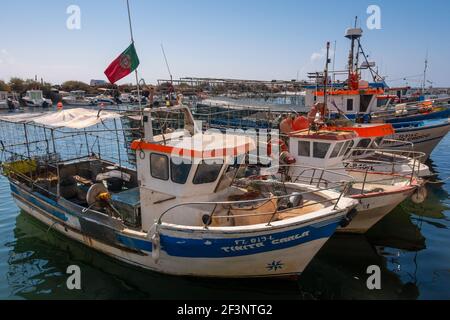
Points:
(422, 136)
(126, 98)
(35, 98)
(105, 98)
(371, 151)
(183, 212)
(3, 100)
(378, 193)
(77, 98)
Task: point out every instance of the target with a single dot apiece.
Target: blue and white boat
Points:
(422, 136)
(185, 210)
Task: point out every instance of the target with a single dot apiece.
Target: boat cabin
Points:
(35, 95)
(351, 102)
(78, 94)
(321, 149)
(183, 165)
(369, 136)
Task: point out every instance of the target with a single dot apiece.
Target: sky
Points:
(240, 39)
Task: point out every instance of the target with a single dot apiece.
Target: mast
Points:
(135, 71)
(334, 61)
(425, 74)
(353, 34)
(325, 88)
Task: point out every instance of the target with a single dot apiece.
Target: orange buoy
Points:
(300, 123)
(59, 105)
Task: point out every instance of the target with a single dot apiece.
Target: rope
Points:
(437, 181)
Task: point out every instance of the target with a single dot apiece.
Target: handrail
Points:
(237, 202)
(398, 153)
(398, 141)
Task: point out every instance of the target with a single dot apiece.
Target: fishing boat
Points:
(105, 98)
(371, 151)
(186, 210)
(364, 101)
(77, 98)
(3, 100)
(422, 136)
(35, 98)
(377, 192)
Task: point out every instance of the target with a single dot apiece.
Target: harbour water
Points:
(410, 246)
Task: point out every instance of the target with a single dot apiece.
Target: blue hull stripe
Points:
(234, 247)
(209, 247)
(402, 129)
(429, 116)
(36, 201)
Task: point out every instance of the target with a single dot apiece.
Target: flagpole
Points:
(136, 70)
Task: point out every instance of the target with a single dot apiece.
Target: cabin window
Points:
(344, 149)
(349, 104)
(377, 143)
(159, 166)
(207, 172)
(304, 149)
(349, 147)
(364, 143)
(320, 149)
(337, 149)
(179, 170)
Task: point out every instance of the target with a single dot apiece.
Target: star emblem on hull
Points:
(274, 266)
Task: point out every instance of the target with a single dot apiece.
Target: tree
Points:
(75, 85)
(4, 86)
(17, 85)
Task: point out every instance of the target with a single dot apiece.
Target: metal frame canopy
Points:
(78, 118)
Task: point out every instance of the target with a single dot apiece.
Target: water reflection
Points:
(410, 246)
(38, 260)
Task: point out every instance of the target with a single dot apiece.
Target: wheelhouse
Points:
(369, 137)
(324, 149)
(182, 164)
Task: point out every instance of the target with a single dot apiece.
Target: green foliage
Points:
(75, 85)
(17, 85)
(4, 86)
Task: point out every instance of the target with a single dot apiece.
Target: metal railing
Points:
(392, 158)
(260, 202)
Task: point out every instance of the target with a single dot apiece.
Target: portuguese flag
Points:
(124, 64)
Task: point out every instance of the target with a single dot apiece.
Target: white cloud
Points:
(5, 57)
(317, 56)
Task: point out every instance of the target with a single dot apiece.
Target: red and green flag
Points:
(124, 64)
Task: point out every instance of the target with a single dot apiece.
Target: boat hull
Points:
(373, 208)
(273, 252)
(425, 139)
